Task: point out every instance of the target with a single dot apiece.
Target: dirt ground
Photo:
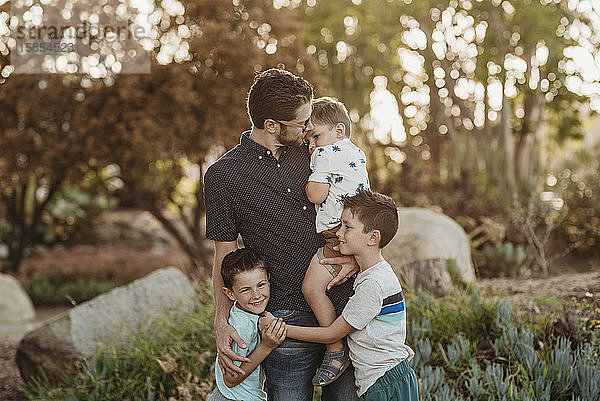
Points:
(10, 335)
(562, 287)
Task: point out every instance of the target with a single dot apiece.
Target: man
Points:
(257, 190)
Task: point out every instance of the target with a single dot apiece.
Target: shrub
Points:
(472, 349)
(177, 365)
(58, 288)
(467, 347)
(501, 259)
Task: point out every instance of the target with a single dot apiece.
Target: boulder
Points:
(419, 252)
(426, 275)
(110, 318)
(15, 304)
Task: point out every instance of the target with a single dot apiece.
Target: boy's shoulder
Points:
(381, 274)
(243, 321)
(339, 147)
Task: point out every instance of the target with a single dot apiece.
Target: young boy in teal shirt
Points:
(374, 318)
(246, 282)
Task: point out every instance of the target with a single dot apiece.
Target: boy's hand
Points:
(349, 268)
(273, 334)
(264, 320)
(225, 336)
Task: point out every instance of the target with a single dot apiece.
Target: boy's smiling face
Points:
(251, 290)
(323, 135)
(353, 241)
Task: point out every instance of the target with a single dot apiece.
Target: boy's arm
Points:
(256, 357)
(317, 191)
(325, 335)
(317, 187)
(273, 335)
(225, 335)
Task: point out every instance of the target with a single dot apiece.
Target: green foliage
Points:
(499, 358)
(176, 364)
(501, 259)
(58, 288)
(467, 347)
(72, 207)
(578, 186)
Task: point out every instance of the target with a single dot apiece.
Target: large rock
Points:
(15, 304)
(419, 252)
(76, 334)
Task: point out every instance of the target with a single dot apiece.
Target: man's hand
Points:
(225, 335)
(273, 334)
(349, 268)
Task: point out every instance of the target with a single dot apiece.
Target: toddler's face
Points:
(251, 290)
(322, 135)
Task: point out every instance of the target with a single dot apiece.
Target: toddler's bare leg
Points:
(314, 287)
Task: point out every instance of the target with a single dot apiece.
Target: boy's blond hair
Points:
(329, 111)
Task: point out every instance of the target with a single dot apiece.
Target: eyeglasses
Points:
(303, 125)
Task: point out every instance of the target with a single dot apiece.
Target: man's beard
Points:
(286, 139)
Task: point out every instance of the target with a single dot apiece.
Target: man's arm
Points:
(224, 333)
(317, 191)
(272, 336)
(325, 335)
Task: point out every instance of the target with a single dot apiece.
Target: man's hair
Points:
(329, 111)
(277, 94)
(238, 261)
(376, 212)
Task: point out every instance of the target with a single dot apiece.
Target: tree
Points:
(158, 129)
(476, 82)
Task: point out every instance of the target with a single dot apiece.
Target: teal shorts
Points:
(397, 384)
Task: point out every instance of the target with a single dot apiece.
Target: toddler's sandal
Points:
(328, 373)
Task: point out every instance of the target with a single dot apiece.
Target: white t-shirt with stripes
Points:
(377, 312)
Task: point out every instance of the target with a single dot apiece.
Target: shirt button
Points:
(260, 157)
(268, 152)
(278, 165)
(289, 190)
(303, 207)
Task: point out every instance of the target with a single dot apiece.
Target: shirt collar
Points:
(236, 311)
(248, 143)
(361, 276)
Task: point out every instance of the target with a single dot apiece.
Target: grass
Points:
(177, 365)
(57, 288)
(548, 302)
(468, 346)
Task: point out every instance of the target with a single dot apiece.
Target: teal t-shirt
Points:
(251, 389)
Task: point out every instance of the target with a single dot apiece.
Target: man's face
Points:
(293, 135)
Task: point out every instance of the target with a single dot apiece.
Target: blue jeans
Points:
(291, 366)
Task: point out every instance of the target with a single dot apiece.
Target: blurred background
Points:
(483, 110)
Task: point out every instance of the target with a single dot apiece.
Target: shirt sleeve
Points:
(320, 166)
(364, 305)
(220, 214)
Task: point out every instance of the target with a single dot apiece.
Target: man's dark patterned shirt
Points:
(251, 193)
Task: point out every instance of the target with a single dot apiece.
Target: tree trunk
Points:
(507, 140)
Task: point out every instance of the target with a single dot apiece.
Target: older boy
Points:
(374, 318)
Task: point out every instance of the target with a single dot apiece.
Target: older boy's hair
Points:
(276, 94)
(238, 261)
(376, 212)
(329, 111)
